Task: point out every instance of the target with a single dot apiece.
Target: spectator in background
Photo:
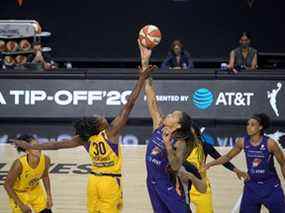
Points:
(244, 57)
(39, 60)
(178, 57)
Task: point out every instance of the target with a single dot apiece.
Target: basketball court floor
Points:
(69, 179)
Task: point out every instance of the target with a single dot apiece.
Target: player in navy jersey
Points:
(263, 186)
(169, 145)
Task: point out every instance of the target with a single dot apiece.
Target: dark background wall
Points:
(209, 28)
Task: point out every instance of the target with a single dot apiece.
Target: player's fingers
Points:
(153, 67)
(206, 167)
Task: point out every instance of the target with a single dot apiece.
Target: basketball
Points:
(12, 46)
(8, 60)
(20, 59)
(149, 36)
(25, 45)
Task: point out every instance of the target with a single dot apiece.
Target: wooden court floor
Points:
(69, 184)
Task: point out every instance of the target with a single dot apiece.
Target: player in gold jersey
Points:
(100, 139)
(203, 201)
(23, 183)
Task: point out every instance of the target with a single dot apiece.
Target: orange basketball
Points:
(25, 45)
(20, 59)
(149, 36)
(12, 46)
(8, 60)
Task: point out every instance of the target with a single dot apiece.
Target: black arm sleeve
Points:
(189, 167)
(209, 149)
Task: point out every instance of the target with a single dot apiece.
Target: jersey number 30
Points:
(99, 148)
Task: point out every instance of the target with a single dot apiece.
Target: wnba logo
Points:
(203, 98)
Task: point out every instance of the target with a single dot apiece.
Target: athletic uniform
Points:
(264, 186)
(28, 186)
(104, 194)
(163, 193)
(203, 201)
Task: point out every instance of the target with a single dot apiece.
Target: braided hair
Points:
(263, 120)
(184, 132)
(27, 138)
(87, 127)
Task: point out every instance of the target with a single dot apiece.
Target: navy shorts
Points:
(164, 197)
(269, 194)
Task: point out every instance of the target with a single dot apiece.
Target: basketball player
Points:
(203, 201)
(263, 187)
(23, 183)
(101, 140)
(169, 145)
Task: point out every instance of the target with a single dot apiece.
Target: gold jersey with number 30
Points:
(105, 156)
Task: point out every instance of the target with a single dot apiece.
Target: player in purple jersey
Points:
(169, 145)
(263, 185)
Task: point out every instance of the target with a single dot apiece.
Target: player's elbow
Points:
(175, 167)
(56, 146)
(7, 185)
(226, 159)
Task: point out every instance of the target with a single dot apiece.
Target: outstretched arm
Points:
(212, 151)
(227, 157)
(149, 89)
(120, 121)
(152, 104)
(52, 145)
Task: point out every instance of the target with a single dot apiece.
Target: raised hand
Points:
(145, 73)
(167, 137)
(207, 166)
(145, 54)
